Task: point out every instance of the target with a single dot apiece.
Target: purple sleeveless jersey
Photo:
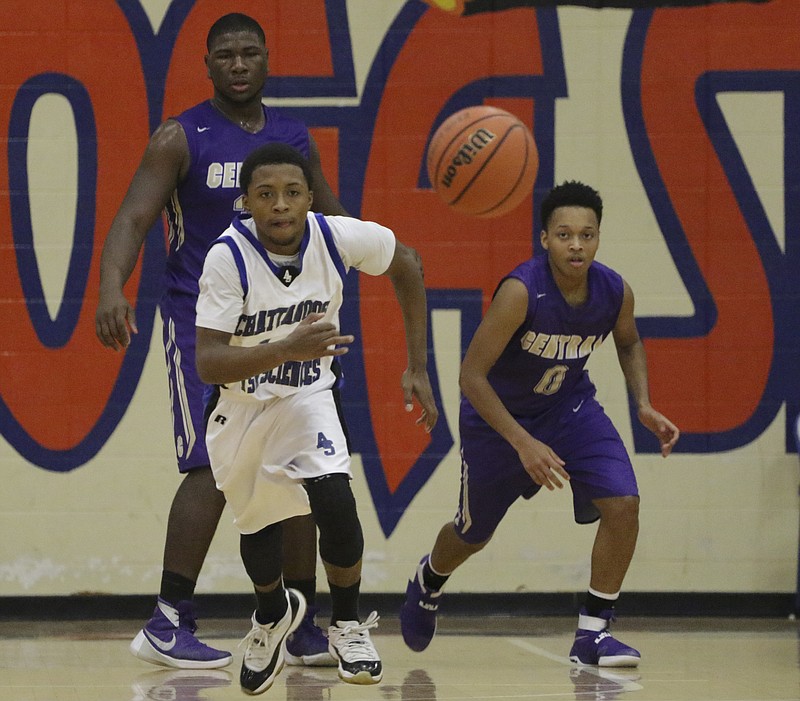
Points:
(545, 358)
(540, 378)
(208, 199)
(201, 208)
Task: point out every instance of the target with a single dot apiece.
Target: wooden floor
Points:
(488, 659)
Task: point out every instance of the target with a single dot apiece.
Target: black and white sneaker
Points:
(263, 656)
(350, 644)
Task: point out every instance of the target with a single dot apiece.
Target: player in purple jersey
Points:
(190, 171)
(529, 419)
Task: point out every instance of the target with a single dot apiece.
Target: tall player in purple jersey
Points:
(190, 171)
(529, 419)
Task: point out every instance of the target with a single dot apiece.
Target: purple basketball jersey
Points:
(201, 208)
(208, 199)
(540, 378)
(544, 361)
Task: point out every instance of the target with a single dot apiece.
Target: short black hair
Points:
(231, 23)
(272, 154)
(571, 193)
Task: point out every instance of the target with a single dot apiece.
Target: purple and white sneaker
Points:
(168, 639)
(594, 644)
(419, 610)
(308, 645)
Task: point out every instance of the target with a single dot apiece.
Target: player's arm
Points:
(163, 164)
(219, 363)
(633, 361)
(325, 202)
(219, 309)
(504, 316)
(405, 272)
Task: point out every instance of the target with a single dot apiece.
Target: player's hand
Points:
(416, 383)
(314, 339)
(542, 464)
(114, 321)
(663, 429)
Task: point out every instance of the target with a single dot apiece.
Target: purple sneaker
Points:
(168, 639)
(308, 645)
(418, 613)
(599, 647)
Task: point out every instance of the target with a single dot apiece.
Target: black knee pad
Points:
(262, 554)
(341, 541)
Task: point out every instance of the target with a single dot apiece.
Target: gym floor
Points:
(697, 659)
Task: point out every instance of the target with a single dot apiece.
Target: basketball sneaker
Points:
(418, 613)
(599, 647)
(263, 655)
(168, 639)
(308, 645)
(349, 642)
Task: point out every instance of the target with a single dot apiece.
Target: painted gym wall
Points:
(686, 120)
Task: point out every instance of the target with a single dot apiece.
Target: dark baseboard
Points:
(658, 604)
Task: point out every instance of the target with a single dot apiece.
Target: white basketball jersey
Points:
(244, 293)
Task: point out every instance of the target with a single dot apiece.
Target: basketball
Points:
(482, 161)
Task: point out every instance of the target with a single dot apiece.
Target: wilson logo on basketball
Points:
(482, 161)
(466, 153)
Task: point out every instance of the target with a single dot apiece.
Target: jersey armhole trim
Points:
(238, 259)
(327, 235)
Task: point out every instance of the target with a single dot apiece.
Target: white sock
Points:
(596, 623)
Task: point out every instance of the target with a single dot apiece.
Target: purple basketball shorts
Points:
(493, 478)
(185, 388)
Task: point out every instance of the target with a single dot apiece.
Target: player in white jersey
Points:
(189, 170)
(267, 335)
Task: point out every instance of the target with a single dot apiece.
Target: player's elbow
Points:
(467, 382)
(207, 369)
(416, 260)
(205, 373)
(406, 263)
(212, 358)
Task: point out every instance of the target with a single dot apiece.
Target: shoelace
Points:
(256, 643)
(356, 641)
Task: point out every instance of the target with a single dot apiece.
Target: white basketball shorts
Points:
(262, 451)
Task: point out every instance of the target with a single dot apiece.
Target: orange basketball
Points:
(482, 161)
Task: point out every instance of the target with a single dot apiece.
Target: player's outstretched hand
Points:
(416, 383)
(314, 339)
(542, 464)
(663, 429)
(114, 321)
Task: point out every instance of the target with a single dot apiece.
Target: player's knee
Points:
(622, 511)
(467, 548)
(341, 540)
(477, 547)
(197, 498)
